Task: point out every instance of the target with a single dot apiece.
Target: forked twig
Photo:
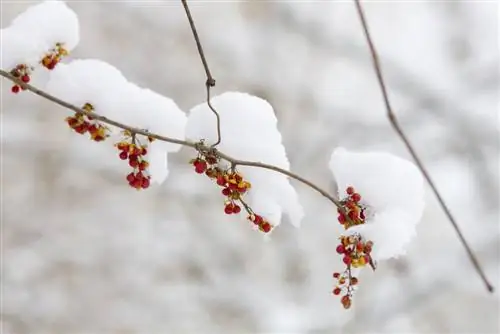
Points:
(210, 80)
(395, 124)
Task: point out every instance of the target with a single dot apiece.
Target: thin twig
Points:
(210, 80)
(395, 124)
(196, 145)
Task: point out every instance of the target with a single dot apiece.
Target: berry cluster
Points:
(54, 56)
(82, 124)
(234, 187)
(261, 223)
(135, 153)
(354, 250)
(353, 209)
(23, 73)
(356, 254)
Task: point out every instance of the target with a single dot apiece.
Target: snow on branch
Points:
(39, 37)
(249, 128)
(381, 196)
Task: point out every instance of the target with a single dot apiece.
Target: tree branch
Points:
(395, 124)
(210, 80)
(198, 146)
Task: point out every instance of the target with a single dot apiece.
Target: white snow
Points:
(102, 85)
(18, 48)
(148, 110)
(249, 132)
(89, 81)
(391, 187)
(50, 22)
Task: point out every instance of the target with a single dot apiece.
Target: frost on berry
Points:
(233, 187)
(136, 154)
(83, 124)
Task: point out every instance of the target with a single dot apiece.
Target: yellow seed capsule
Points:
(362, 261)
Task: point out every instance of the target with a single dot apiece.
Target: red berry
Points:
(350, 190)
(340, 249)
(356, 197)
(226, 191)
(144, 151)
(145, 183)
(236, 209)
(137, 183)
(15, 89)
(123, 155)
(341, 218)
(52, 65)
(221, 181)
(336, 291)
(143, 165)
(200, 167)
(228, 209)
(367, 258)
(258, 220)
(266, 227)
(130, 177)
(347, 260)
(25, 78)
(336, 275)
(133, 163)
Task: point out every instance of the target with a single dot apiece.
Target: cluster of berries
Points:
(82, 124)
(23, 73)
(54, 56)
(135, 153)
(356, 254)
(234, 187)
(353, 209)
(354, 250)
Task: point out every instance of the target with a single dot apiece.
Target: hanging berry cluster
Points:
(22, 72)
(54, 56)
(82, 124)
(131, 150)
(355, 251)
(234, 187)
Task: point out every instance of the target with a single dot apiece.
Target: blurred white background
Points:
(84, 253)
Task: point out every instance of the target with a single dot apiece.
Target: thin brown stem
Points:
(210, 80)
(395, 124)
(199, 146)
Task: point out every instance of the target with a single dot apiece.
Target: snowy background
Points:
(84, 253)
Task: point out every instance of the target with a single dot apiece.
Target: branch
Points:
(198, 146)
(210, 80)
(395, 124)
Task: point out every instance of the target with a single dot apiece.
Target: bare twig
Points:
(395, 124)
(210, 80)
(195, 145)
